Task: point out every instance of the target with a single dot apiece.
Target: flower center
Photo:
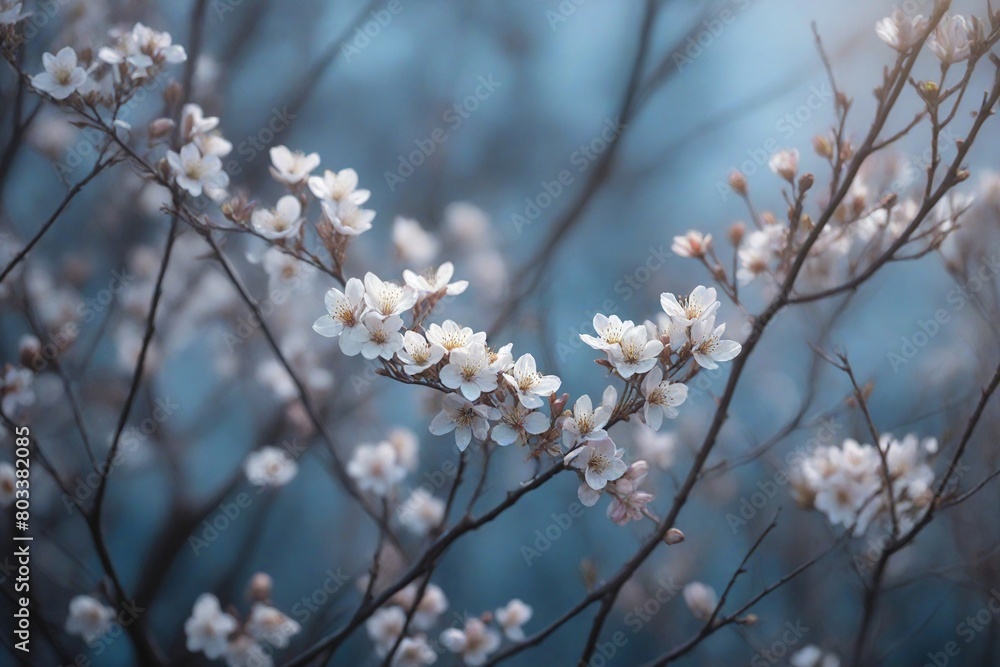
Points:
(345, 315)
(599, 463)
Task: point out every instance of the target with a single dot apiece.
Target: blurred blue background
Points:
(559, 77)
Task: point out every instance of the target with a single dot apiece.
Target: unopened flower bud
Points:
(173, 94)
(738, 182)
(30, 350)
(736, 232)
(822, 146)
(160, 128)
(260, 587)
(805, 182)
(785, 164)
(750, 619)
(673, 536)
(768, 218)
(961, 175)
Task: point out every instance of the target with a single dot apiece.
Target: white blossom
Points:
(530, 385)
(270, 466)
(88, 618)
(692, 244)
(658, 448)
(421, 512)
(511, 617)
(376, 468)
(951, 40)
(517, 423)
(339, 187)
(10, 13)
(407, 446)
(15, 390)
(435, 281)
(344, 312)
(785, 163)
(417, 354)
(635, 354)
(208, 627)
(586, 422)
(413, 243)
(600, 461)
(452, 336)
(267, 624)
(244, 651)
(464, 418)
(197, 173)
(610, 330)
(699, 305)
(348, 219)
(384, 628)
(378, 337)
(414, 652)
(281, 222)
(62, 76)
(474, 642)
(662, 398)
(900, 31)
(707, 344)
(468, 370)
(387, 298)
(700, 599)
(291, 168)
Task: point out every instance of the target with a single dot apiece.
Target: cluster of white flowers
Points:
(197, 168)
(867, 222)
(474, 641)
(953, 39)
(134, 56)
(847, 483)
(247, 643)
